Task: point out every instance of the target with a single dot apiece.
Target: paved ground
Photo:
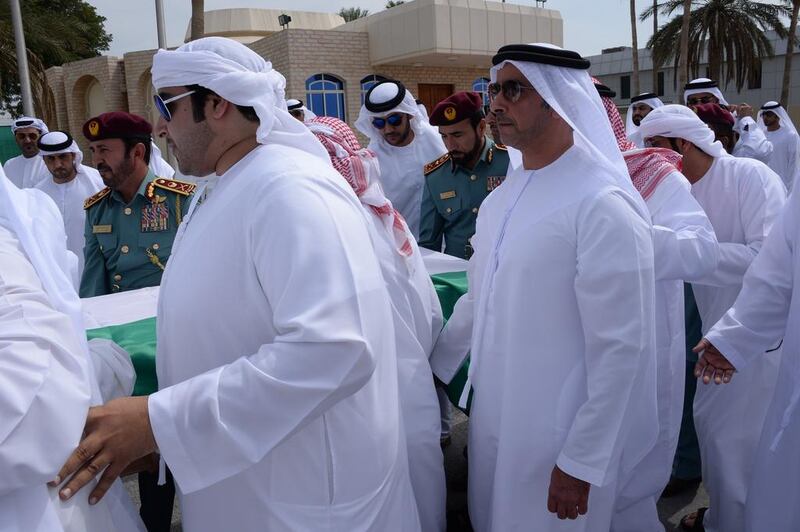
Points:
(670, 510)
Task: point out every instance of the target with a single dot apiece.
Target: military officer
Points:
(131, 223)
(130, 226)
(457, 182)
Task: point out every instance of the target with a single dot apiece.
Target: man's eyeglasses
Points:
(691, 100)
(161, 104)
(511, 89)
(393, 120)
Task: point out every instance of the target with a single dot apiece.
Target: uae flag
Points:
(129, 320)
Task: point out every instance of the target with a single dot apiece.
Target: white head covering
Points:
(423, 109)
(572, 95)
(631, 129)
(678, 121)
(29, 121)
(159, 166)
(293, 104)
(385, 91)
(785, 120)
(703, 82)
(242, 77)
(58, 142)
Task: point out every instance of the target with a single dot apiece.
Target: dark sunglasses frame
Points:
(394, 120)
(511, 89)
(162, 104)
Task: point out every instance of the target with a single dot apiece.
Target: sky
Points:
(589, 25)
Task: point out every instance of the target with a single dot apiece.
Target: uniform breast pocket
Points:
(108, 244)
(451, 207)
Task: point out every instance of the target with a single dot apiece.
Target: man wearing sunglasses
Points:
(404, 141)
(457, 183)
(27, 170)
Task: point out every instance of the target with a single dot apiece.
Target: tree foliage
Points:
(729, 34)
(352, 13)
(394, 3)
(56, 32)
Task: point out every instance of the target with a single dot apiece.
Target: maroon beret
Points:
(712, 113)
(116, 125)
(455, 108)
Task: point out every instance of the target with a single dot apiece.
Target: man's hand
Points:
(568, 496)
(115, 435)
(712, 364)
(744, 109)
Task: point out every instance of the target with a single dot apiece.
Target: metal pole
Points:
(22, 59)
(162, 32)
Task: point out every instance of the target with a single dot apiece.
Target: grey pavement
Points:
(669, 510)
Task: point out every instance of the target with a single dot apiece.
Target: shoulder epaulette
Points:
(501, 146)
(180, 187)
(433, 165)
(91, 200)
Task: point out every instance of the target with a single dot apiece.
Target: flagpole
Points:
(22, 59)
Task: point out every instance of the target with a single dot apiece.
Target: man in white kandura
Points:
(741, 198)
(28, 169)
(404, 141)
(640, 106)
(70, 184)
(47, 378)
(765, 313)
(685, 250)
(780, 131)
(561, 293)
(415, 308)
(278, 402)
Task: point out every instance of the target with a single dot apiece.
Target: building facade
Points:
(435, 47)
(614, 68)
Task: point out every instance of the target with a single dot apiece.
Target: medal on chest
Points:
(494, 181)
(155, 215)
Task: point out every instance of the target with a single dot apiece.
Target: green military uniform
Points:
(127, 245)
(452, 196)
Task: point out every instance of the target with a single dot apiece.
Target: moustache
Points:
(103, 168)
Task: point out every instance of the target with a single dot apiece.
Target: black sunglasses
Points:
(511, 89)
(393, 120)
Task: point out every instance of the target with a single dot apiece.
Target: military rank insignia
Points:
(155, 217)
(494, 181)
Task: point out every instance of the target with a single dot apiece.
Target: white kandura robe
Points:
(563, 344)
(402, 176)
(44, 393)
(685, 249)
(417, 321)
(752, 143)
(785, 158)
(766, 311)
(278, 407)
(741, 197)
(26, 172)
(69, 198)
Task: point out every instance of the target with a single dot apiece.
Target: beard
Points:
(114, 177)
(460, 157)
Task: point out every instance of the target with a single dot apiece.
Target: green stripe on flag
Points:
(138, 338)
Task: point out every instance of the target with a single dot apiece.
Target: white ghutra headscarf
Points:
(778, 109)
(631, 129)
(678, 121)
(241, 76)
(699, 85)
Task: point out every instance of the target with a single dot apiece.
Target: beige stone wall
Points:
(78, 76)
(55, 79)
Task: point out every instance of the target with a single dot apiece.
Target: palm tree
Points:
(198, 20)
(787, 64)
(352, 13)
(729, 32)
(635, 45)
